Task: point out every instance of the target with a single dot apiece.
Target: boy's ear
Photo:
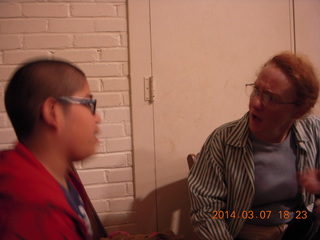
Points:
(49, 112)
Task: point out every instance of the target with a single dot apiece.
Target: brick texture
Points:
(93, 35)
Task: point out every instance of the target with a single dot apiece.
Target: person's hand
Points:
(310, 180)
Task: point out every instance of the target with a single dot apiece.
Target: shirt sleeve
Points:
(208, 193)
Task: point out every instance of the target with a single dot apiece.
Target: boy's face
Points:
(79, 128)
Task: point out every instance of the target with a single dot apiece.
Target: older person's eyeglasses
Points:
(266, 97)
(88, 102)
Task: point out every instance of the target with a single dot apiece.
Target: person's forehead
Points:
(273, 77)
(273, 80)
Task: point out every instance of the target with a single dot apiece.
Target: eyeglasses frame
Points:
(259, 93)
(89, 102)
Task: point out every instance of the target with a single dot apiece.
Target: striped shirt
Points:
(221, 183)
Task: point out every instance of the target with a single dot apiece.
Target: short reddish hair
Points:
(302, 74)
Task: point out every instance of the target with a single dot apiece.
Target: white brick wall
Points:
(93, 35)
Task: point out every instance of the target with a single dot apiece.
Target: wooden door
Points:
(307, 31)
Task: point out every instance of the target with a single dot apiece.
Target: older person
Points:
(244, 184)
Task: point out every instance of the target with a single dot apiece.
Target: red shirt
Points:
(32, 203)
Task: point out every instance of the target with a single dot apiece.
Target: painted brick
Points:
(47, 41)
(117, 114)
(109, 99)
(120, 205)
(114, 55)
(101, 69)
(128, 128)
(125, 69)
(17, 57)
(101, 205)
(96, 40)
(92, 176)
(123, 40)
(106, 191)
(2, 107)
(78, 164)
(95, 85)
(93, 10)
(111, 25)
(10, 42)
(7, 135)
(101, 147)
(105, 161)
(119, 144)
(111, 130)
(126, 99)
(71, 25)
(122, 10)
(3, 118)
(8, 10)
(70, 1)
(130, 189)
(23, 26)
(129, 159)
(119, 175)
(110, 219)
(78, 55)
(2, 87)
(115, 84)
(112, 1)
(93, 36)
(45, 10)
(6, 146)
(17, 1)
(6, 72)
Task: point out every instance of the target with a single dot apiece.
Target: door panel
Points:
(307, 29)
(203, 52)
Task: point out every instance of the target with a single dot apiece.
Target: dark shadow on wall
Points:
(173, 207)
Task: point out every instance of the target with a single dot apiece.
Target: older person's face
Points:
(271, 113)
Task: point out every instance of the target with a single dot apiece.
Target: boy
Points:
(53, 114)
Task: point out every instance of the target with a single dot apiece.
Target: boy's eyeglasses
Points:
(89, 102)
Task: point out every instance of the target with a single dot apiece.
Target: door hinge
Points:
(149, 92)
